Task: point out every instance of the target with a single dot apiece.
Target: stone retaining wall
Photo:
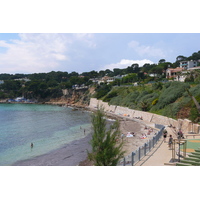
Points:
(184, 124)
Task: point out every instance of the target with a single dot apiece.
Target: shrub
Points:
(170, 94)
(110, 95)
(172, 109)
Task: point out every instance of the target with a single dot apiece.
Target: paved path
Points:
(160, 155)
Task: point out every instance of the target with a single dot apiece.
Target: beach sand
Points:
(132, 143)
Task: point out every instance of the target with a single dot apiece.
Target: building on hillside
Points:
(22, 79)
(173, 72)
(179, 73)
(186, 65)
(108, 79)
(193, 68)
(105, 79)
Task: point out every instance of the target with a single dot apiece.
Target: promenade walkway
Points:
(160, 155)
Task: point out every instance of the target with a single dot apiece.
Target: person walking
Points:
(164, 136)
(170, 141)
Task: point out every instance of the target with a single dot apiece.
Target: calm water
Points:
(47, 127)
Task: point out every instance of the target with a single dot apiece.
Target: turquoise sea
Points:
(47, 127)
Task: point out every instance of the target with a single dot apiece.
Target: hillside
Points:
(168, 99)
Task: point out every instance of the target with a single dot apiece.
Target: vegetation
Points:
(106, 147)
(153, 93)
(168, 99)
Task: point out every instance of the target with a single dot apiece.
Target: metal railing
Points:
(142, 151)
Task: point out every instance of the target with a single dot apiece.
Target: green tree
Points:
(106, 150)
(162, 61)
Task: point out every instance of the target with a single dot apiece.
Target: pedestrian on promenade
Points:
(180, 134)
(164, 135)
(170, 141)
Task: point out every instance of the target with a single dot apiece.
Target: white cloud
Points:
(143, 50)
(87, 38)
(39, 52)
(124, 63)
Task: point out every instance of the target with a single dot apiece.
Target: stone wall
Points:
(145, 115)
(184, 124)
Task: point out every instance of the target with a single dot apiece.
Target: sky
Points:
(84, 52)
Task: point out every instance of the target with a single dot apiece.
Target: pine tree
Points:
(106, 146)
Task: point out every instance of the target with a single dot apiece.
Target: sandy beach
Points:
(140, 130)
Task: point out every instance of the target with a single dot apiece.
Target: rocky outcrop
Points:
(72, 97)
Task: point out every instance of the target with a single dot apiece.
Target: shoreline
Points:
(75, 152)
(70, 154)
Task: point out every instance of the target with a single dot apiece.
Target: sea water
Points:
(47, 127)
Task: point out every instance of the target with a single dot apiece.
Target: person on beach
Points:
(31, 145)
(170, 141)
(132, 133)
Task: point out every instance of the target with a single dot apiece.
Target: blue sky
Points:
(83, 52)
(44, 36)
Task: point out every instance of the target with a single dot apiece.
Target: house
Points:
(173, 72)
(179, 73)
(22, 79)
(186, 65)
(1, 82)
(105, 79)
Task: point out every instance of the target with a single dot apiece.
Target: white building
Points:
(186, 65)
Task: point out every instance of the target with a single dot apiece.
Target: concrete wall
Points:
(184, 124)
(122, 111)
(93, 103)
(145, 115)
(159, 119)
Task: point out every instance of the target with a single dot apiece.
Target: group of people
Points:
(150, 130)
(139, 118)
(180, 136)
(170, 138)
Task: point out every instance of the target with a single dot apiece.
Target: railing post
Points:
(149, 145)
(133, 154)
(145, 149)
(139, 153)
